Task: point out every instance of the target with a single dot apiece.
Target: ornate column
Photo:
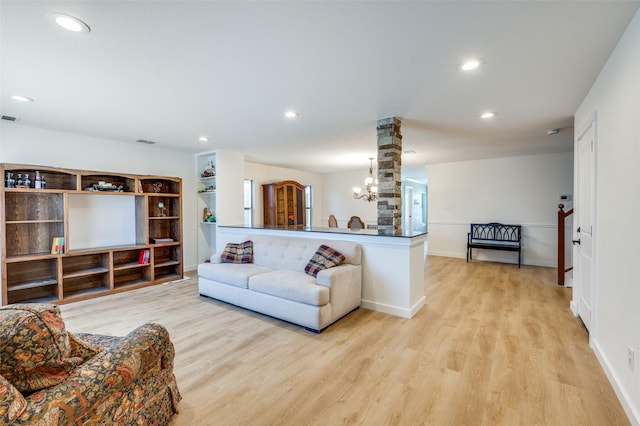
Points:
(389, 174)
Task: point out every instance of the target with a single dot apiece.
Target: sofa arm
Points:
(332, 276)
(144, 352)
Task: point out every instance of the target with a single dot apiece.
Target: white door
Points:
(584, 210)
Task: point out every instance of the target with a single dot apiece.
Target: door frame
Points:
(592, 123)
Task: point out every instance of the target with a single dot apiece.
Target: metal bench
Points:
(494, 236)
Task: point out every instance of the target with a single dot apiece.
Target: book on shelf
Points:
(144, 257)
(57, 246)
(162, 240)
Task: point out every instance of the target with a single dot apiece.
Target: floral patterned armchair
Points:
(49, 376)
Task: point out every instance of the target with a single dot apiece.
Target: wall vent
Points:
(9, 118)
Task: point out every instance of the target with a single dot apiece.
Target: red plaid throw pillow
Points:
(238, 253)
(324, 258)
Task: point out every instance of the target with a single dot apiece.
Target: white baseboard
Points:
(394, 310)
(446, 254)
(574, 308)
(632, 411)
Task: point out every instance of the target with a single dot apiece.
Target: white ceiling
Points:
(171, 71)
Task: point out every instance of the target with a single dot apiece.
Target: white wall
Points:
(615, 97)
(521, 190)
(263, 174)
(338, 199)
(31, 145)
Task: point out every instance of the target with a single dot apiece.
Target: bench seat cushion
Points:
(235, 274)
(291, 285)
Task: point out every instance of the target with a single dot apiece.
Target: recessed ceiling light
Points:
(70, 23)
(488, 114)
(291, 114)
(21, 98)
(470, 65)
(203, 139)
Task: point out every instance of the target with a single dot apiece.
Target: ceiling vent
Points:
(144, 141)
(9, 118)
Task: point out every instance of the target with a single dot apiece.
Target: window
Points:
(308, 203)
(248, 202)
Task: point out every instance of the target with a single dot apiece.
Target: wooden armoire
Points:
(284, 204)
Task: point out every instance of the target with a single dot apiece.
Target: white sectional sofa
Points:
(275, 283)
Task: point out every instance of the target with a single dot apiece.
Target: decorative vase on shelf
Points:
(11, 182)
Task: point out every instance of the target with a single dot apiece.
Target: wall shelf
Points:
(206, 189)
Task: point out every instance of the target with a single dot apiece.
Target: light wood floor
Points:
(495, 345)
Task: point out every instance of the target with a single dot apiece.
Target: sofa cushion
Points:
(238, 252)
(231, 273)
(324, 258)
(291, 285)
(34, 346)
(12, 403)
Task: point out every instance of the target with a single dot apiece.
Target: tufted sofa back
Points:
(295, 253)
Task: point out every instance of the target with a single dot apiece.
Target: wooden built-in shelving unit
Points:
(31, 219)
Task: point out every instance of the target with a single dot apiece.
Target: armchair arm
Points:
(97, 385)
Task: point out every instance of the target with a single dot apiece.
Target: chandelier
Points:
(371, 187)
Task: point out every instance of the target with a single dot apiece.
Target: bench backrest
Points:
(495, 232)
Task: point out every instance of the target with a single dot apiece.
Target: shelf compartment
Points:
(127, 259)
(167, 255)
(33, 206)
(132, 276)
(167, 262)
(168, 228)
(34, 279)
(78, 286)
(31, 238)
(167, 273)
(171, 206)
(209, 185)
(161, 185)
(84, 265)
(55, 179)
(128, 183)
